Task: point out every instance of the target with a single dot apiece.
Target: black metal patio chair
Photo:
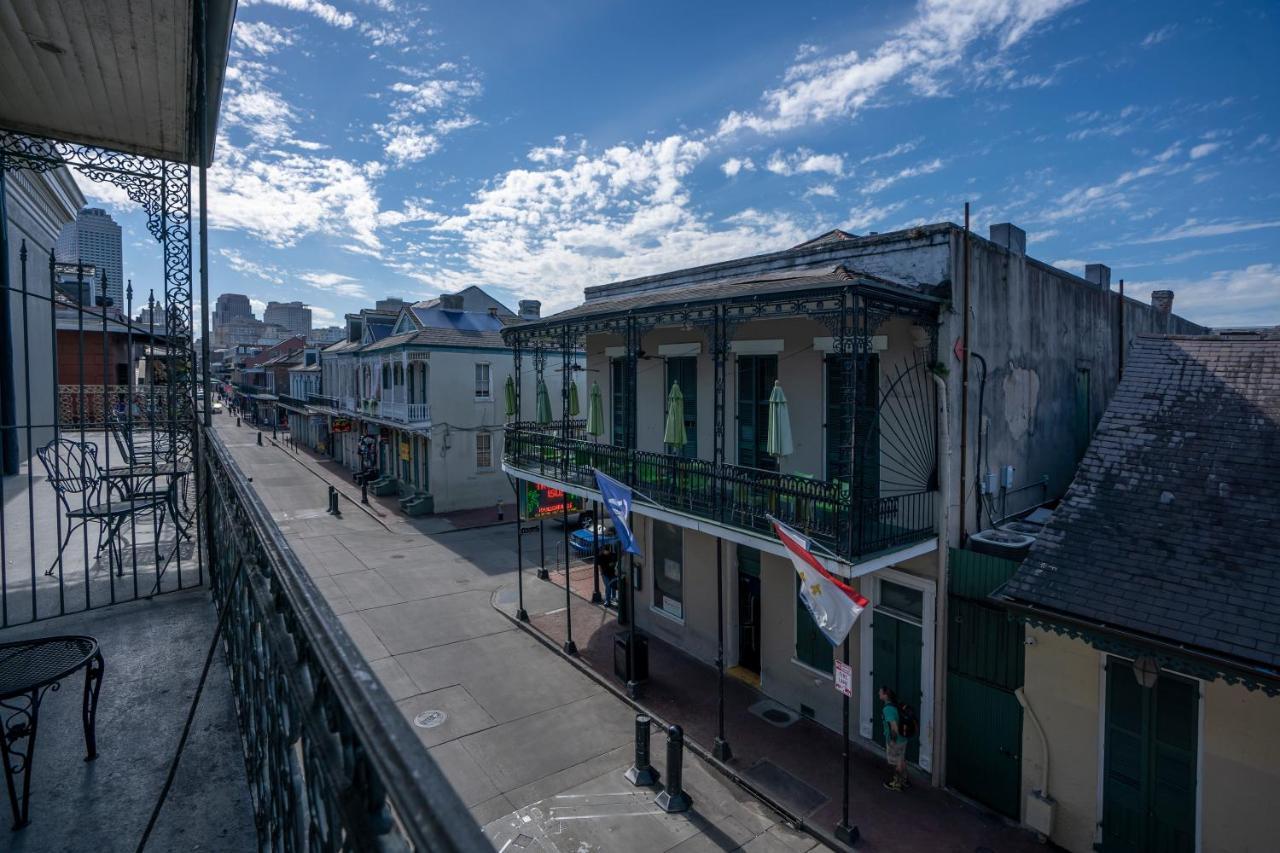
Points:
(73, 471)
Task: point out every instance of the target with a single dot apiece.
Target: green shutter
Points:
(756, 375)
(685, 371)
(618, 401)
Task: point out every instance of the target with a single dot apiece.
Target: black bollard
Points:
(499, 510)
(259, 438)
(333, 494)
(273, 432)
(237, 422)
(673, 799)
(642, 774)
(364, 490)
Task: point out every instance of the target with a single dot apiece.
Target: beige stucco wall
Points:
(1240, 751)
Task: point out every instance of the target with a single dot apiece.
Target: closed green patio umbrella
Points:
(574, 408)
(779, 443)
(511, 396)
(544, 403)
(674, 433)
(595, 411)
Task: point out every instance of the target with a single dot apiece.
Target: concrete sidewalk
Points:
(798, 765)
(534, 747)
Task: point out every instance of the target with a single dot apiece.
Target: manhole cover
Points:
(773, 715)
(430, 719)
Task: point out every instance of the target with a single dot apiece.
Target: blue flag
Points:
(617, 499)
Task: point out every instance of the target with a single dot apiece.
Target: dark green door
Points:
(749, 608)
(756, 375)
(1149, 779)
(896, 646)
(684, 370)
(849, 422)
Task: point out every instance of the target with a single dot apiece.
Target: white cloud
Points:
(823, 190)
(325, 12)
(238, 262)
(1194, 228)
(884, 182)
(408, 143)
(257, 306)
(861, 218)
(321, 316)
(1204, 149)
(1163, 34)
(802, 161)
(260, 37)
(734, 165)
(1249, 296)
(337, 283)
(934, 41)
(899, 149)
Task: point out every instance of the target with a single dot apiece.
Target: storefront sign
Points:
(406, 450)
(844, 678)
(543, 502)
(340, 425)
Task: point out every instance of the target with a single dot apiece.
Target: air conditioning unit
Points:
(1001, 543)
(1021, 527)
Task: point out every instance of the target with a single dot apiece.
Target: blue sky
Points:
(375, 148)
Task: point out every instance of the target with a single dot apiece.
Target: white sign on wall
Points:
(844, 678)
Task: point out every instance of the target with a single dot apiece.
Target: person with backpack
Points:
(608, 565)
(899, 728)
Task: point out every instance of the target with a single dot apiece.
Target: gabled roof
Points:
(441, 338)
(1170, 529)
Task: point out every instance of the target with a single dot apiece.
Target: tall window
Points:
(684, 370)
(483, 385)
(756, 374)
(812, 646)
(386, 377)
(484, 450)
(617, 401)
(668, 569)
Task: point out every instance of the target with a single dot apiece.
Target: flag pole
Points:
(720, 748)
(844, 830)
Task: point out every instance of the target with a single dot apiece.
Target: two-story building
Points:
(929, 375)
(421, 395)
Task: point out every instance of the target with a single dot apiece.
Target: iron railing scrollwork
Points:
(332, 763)
(830, 511)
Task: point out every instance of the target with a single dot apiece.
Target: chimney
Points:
(1162, 302)
(530, 309)
(451, 301)
(493, 312)
(1099, 274)
(1009, 236)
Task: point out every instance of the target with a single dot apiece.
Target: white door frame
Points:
(867, 690)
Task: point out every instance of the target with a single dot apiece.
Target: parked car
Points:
(580, 541)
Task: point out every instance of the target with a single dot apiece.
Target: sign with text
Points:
(844, 678)
(545, 502)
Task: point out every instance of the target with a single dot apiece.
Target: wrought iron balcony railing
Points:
(733, 495)
(323, 400)
(333, 764)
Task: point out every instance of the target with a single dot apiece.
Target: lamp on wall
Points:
(1147, 670)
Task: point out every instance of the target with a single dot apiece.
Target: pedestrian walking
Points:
(896, 737)
(608, 565)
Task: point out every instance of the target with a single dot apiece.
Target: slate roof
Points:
(1171, 527)
(440, 338)
(779, 281)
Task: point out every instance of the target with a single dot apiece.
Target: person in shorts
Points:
(895, 743)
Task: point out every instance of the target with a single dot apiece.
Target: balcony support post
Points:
(629, 393)
(566, 376)
(719, 355)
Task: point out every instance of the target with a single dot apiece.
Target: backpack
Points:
(908, 722)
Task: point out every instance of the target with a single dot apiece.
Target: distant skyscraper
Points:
(231, 305)
(94, 238)
(294, 317)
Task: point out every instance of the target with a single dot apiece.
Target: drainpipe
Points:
(941, 623)
(1021, 695)
(964, 388)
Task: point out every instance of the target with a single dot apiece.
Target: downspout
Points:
(964, 388)
(1120, 369)
(1021, 695)
(941, 623)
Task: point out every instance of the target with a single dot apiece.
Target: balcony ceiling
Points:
(120, 74)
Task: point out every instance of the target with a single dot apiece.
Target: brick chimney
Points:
(1162, 302)
(1009, 236)
(1099, 274)
(451, 301)
(530, 309)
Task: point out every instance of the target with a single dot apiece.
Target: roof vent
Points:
(1001, 543)
(451, 301)
(530, 309)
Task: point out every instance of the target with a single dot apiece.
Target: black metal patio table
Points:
(28, 669)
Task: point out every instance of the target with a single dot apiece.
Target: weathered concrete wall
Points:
(1239, 772)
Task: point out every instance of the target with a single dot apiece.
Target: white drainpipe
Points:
(941, 624)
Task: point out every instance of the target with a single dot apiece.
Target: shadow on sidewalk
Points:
(800, 765)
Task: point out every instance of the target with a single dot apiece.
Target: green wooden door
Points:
(756, 374)
(684, 370)
(985, 657)
(896, 654)
(1149, 778)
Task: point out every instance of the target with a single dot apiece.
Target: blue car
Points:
(581, 540)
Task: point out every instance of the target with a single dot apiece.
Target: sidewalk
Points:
(799, 767)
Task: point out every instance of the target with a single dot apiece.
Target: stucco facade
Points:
(1238, 772)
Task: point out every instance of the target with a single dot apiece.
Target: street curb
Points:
(789, 818)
